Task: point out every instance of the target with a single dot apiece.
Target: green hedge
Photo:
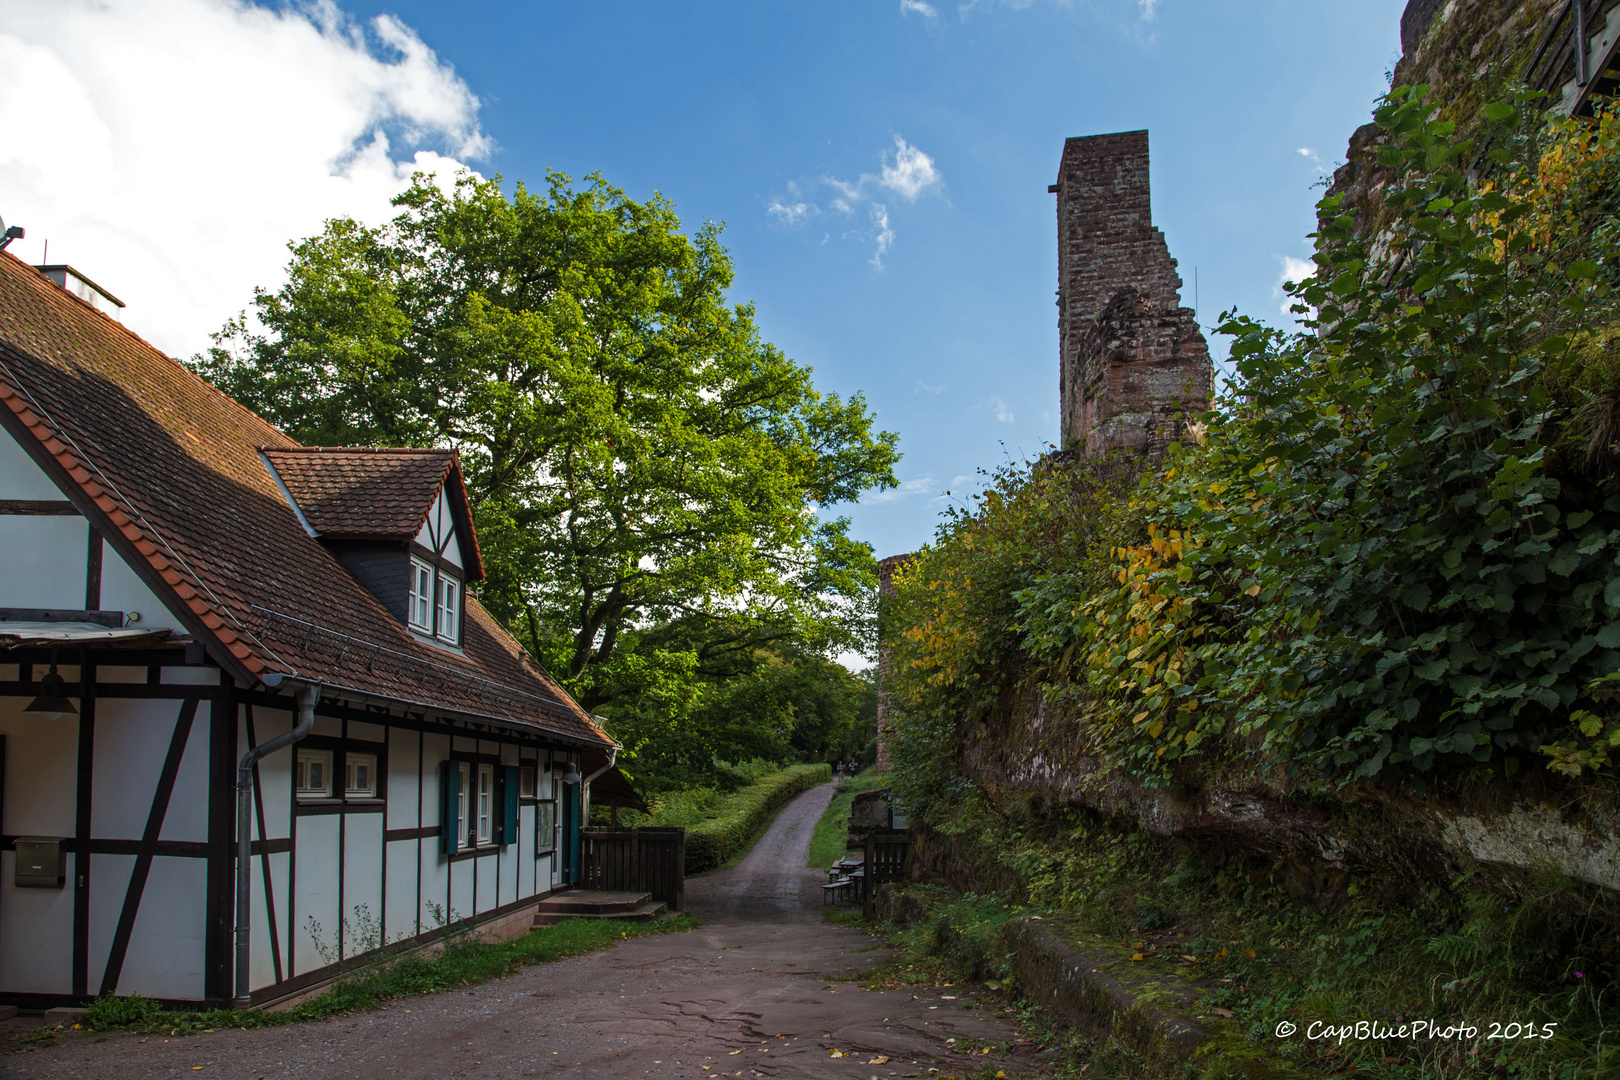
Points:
(741, 814)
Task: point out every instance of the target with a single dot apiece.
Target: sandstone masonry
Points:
(1133, 364)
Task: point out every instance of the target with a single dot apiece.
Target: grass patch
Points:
(465, 961)
(827, 843)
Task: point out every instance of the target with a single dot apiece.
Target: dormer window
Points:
(397, 519)
(421, 597)
(449, 612)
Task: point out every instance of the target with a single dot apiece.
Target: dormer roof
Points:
(367, 493)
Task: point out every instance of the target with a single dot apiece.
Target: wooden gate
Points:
(651, 860)
(886, 851)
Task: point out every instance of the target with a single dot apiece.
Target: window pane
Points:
(449, 608)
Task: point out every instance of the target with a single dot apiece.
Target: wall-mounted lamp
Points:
(571, 774)
(52, 702)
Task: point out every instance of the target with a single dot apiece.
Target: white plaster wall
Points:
(20, 478)
(41, 774)
(507, 872)
(165, 957)
(402, 782)
(488, 882)
(403, 909)
(45, 560)
(132, 739)
(461, 887)
(36, 934)
(435, 882)
(275, 771)
(109, 882)
(187, 818)
(528, 865)
(362, 879)
(315, 890)
(367, 732)
(262, 968)
(189, 675)
(122, 591)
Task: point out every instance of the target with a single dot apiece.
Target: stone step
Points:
(651, 909)
(593, 902)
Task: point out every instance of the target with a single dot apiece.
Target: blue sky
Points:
(880, 167)
(731, 108)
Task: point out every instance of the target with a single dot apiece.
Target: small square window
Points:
(526, 782)
(420, 600)
(360, 776)
(449, 612)
(312, 774)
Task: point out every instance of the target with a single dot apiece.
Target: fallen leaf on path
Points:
(1138, 956)
(879, 1060)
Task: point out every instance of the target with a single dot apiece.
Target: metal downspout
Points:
(307, 694)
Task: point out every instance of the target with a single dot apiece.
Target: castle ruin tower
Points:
(1133, 367)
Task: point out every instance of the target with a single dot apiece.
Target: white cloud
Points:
(921, 485)
(169, 149)
(1004, 411)
(881, 232)
(911, 174)
(1295, 270)
(1150, 8)
(1312, 156)
(921, 7)
(791, 213)
(925, 388)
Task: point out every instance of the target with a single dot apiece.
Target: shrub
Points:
(134, 1011)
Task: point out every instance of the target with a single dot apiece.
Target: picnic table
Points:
(843, 880)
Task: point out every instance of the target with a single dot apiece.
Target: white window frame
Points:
(351, 764)
(419, 598)
(463, 800)
(321, 759)
(447, 608)
(486, 805)
(527, 788)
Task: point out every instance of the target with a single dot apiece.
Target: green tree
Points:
(635, 452)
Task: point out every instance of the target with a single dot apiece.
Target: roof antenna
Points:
(15, 232)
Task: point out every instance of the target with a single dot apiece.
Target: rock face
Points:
(1133, 363)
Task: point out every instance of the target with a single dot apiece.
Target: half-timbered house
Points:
(184, 590)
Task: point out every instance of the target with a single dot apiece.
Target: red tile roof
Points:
(169, 469)
(367, 493)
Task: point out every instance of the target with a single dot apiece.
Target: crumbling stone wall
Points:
(1133, 363)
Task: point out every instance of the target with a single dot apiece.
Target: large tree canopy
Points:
(636, 453)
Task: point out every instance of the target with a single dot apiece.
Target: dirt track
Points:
(751, 993)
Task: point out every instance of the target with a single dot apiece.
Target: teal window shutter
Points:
(506, 829)
(449, 801)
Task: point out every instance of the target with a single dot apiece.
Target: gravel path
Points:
(758, 991)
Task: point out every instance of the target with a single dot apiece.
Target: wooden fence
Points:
(651, 859)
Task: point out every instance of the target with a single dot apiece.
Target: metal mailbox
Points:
(39, 862)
